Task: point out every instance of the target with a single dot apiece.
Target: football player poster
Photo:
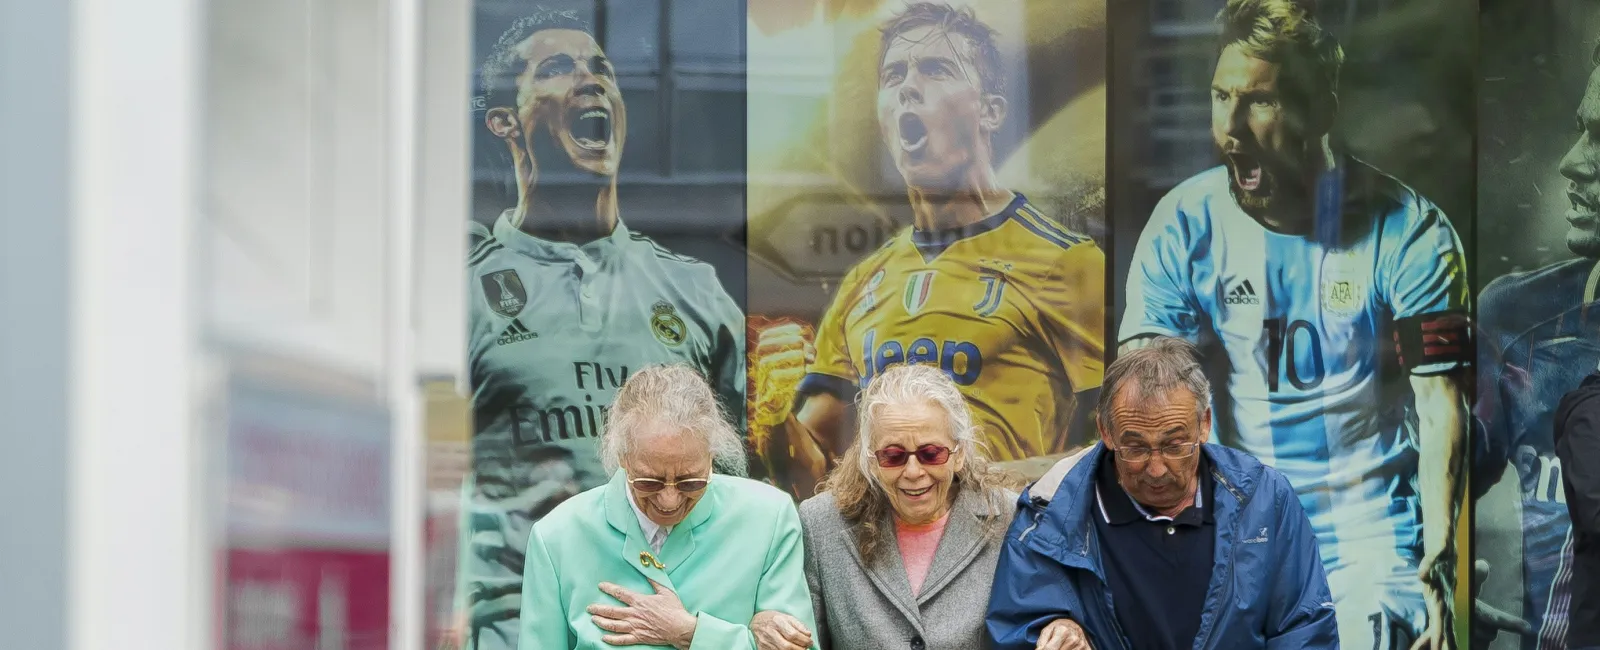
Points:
(1538, 192)
(926, 186)
(608, 147)
(1293, 188)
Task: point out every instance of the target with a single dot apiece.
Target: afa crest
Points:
(504, 292)
(666, 325)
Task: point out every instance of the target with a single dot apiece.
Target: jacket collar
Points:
(680, 543)
(961, 543)
(1062, 502)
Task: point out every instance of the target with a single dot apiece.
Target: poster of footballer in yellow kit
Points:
(926, 185)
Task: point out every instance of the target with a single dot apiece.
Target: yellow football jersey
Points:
(1011, 307)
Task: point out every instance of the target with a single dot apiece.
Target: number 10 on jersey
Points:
(1285, 346)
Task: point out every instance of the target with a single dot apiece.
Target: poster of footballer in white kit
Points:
(608, 180)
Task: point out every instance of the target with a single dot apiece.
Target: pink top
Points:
(917, 544)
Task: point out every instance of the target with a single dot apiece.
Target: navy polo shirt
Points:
(1157, 568)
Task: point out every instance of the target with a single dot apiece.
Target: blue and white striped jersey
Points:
(554, 329)
(1304, 327)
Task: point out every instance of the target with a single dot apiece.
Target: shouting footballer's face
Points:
(1263, 140)
(932, 112)
(570, 89)
(1581, 168)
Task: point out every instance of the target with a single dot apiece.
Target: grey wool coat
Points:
(870, 605)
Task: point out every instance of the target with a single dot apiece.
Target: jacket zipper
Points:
(1233, 553)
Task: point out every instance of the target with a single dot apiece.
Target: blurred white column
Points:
(137, 563)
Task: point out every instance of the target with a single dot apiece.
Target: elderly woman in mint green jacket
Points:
(667, 554)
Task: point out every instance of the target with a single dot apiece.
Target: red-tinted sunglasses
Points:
(897, 456)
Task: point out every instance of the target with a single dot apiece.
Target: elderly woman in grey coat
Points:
(901, 544)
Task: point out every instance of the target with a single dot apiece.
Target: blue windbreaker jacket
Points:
(1268, 589)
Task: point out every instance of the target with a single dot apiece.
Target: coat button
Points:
(917, 644)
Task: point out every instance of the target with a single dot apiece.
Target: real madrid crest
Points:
(666, 325)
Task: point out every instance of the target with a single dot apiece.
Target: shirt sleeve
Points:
(1159, 299)
(1030, 590)
(782, 589)
(1300, 612)
(1073, 314)
(1578, 447)
(728, 360)
(544, 615)
(1492, 436)
(833, 371)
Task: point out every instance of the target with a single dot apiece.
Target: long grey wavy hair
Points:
(676, 396)
(863, 500)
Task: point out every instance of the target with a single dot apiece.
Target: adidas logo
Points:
(1242, 294)
(516, 333)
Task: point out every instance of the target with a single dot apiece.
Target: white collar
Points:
(655, 534)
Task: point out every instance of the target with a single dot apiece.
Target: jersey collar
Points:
(560, 251)
(933, 242)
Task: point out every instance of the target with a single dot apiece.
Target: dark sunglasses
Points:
(654, 485)
(897, 456)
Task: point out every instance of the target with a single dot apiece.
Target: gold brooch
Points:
(647, 560)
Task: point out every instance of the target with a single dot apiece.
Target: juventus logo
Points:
(994, 290)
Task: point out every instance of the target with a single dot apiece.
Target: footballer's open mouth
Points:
(1247, 171)
(1583, 206)
(590, 127)
(913, 133)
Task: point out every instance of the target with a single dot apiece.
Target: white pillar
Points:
(137, 556)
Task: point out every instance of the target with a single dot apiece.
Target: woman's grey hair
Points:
(1158, 365)
(670, 396)
(863, 501)
(913, 384)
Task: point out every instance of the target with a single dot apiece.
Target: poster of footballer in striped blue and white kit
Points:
(1297, 203)
(1538, 194)
(607, 203)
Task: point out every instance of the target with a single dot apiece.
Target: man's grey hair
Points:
(914, 384)
(672, 397)
(1156, 366)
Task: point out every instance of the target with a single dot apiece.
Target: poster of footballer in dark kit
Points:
(1293, 192)
(607, 210)
(926, 186)
(1538, 192)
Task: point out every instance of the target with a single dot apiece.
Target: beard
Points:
(1259, 183)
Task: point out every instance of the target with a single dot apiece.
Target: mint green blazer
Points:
(739, 552)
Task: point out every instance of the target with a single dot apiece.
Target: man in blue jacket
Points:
(1154, 539)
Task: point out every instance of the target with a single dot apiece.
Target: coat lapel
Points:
(960, 544)
(888, 573)
(681, 543)
(635, 549)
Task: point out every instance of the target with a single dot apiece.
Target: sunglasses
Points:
(897, 456)
(654, 485)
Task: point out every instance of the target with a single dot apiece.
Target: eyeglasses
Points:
(654, 485)
(1169, 452)
(897, 456)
